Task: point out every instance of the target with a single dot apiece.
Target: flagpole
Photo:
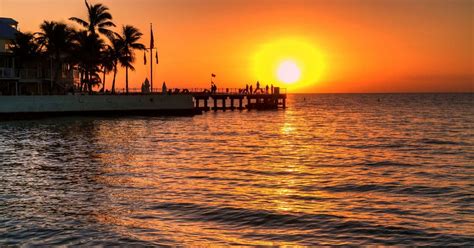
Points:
(151, 58)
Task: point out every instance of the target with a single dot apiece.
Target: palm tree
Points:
(25, 48)
(24, 45)
(99, 19)
(88, 49)
(92, 55)
(116, 53)
(129, 38)
(107, 63)
(56, 38)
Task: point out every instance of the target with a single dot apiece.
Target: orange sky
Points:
(359, 45)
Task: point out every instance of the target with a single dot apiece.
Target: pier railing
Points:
(219, 91)
(240, 99)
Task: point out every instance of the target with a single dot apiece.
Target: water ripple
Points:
(349, 170)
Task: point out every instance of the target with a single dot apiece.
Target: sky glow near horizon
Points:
(337, 46)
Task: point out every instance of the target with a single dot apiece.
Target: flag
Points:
(144, 58)
(152, 39)
(156, 57)
(213, 75)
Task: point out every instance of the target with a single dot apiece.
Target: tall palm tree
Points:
(88, 49)
(116, 53)
(107, 63)
(56, 39)
(99, 19)
(130, 36)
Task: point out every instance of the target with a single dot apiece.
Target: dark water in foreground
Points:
(333, 169)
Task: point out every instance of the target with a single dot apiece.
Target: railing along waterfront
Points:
(221, 99)
(219, 91)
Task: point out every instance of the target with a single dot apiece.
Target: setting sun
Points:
(288, 72)
(294, 62)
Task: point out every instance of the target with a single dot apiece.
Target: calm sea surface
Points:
(331, 169)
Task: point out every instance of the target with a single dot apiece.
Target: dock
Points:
(237, 99)
(226, 98)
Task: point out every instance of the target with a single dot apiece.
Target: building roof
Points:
(8, 21)
(7, 29)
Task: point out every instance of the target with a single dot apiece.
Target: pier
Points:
(227, 98)
(236, 99)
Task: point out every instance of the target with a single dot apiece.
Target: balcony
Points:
(31, 74)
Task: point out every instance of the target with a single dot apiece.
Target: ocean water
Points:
(355, 169)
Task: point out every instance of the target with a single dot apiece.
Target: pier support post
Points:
(232, 104)
(284, 103)
(241, 103)
(223, 104)
(197, 103)
(206, 106)
(215, 104)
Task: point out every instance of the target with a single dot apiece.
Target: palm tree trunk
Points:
(126, 79)
(86, 80)
(82, 80)
(57, 72)
(103, 81)
(90, 83)
(113, 82)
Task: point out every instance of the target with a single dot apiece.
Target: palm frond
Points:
(106, 32)
(79, 21)
(106, 24)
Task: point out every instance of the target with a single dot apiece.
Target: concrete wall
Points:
(94, 103)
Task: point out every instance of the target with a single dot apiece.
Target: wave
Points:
(386, 163)
(417, 190)
(442, 142)
(322, 224)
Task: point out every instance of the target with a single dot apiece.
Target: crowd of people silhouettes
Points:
(213, 90)
(248, 89)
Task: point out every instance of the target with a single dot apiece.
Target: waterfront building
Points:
(29, 75)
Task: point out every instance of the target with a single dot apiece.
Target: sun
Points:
(293, 63)
(288, 72)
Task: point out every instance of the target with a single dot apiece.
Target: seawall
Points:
(13, 107)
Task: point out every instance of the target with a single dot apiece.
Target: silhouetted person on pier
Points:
(215, 88)
(258, 87)
(266, 89)
(247, 88)
(164, 89)
(272, 89)
(251, 91)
